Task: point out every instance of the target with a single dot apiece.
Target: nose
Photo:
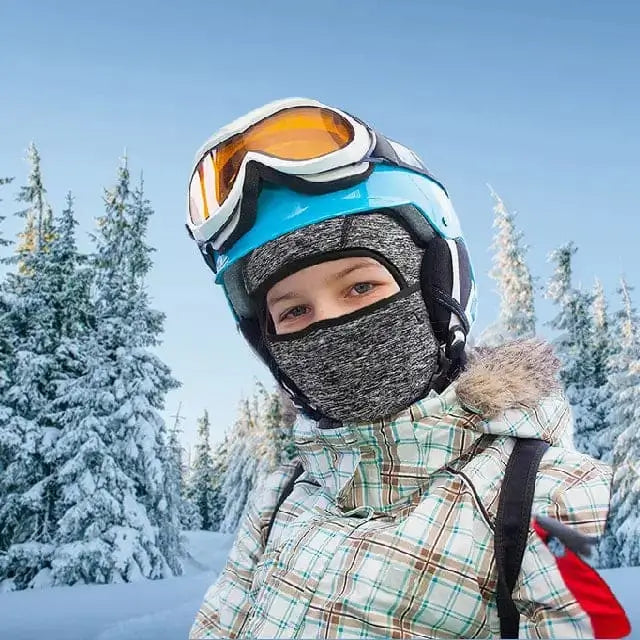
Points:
(327, 309)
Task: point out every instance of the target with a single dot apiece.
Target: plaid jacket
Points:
(389, 531)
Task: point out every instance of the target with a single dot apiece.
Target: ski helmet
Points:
(389, 179)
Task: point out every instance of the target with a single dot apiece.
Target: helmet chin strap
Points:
(451, 360)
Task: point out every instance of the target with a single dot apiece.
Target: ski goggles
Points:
(298, 143)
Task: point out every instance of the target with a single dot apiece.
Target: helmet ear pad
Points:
(446, 290)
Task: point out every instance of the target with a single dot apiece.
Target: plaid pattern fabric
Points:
(389, 532)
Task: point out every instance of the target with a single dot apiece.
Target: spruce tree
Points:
(189, 517)
(27, 520)
(621, 543)
(37, 212)
(515, 285)
(5, 338)
(574, 347)
(603, 349)
(260, 441)
(54, 327)
(9, 440)
(149, 388)
(119, 503)
(220, 464)
(201, 483)
(278, 420)
(3, 181)
(243, 465)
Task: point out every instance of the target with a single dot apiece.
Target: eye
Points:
(294, 312)
(362, 287)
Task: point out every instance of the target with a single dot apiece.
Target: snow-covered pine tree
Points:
(620, 545)
(5, 305)
(8, 440)
(574, 347)
(201, 482)
(272, 435)
(259, 443)
(149, 388)
(189, 516)
(603, 348)
(27, 519)
(37, 212)
(220, 463)
(118, 506)
(278, 419)
(3, 241)
(243, 465)
(517, 317)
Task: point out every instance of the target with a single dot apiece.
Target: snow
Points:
(165, 609)
(146, 610)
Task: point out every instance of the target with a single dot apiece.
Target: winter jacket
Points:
(389, 531)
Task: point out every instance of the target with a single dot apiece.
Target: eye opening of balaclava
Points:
(260, 295)
(368, 364)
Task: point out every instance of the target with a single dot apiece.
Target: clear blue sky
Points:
(540, 99)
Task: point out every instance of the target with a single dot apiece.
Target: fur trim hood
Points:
(515, 374)
(515, 391)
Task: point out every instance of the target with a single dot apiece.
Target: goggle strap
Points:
(257, 173)
(386, 151)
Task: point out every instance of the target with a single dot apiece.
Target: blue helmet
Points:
(421, 203)
(270, 200)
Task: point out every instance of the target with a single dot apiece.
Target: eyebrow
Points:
(336, 276)
(354, 267)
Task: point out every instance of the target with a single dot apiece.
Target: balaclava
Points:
(368, 364)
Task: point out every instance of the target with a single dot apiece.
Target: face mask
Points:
(368, 364)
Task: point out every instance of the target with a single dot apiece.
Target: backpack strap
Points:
(512, 526)
(286, 492)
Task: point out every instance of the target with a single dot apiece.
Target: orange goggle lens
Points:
(298, 133)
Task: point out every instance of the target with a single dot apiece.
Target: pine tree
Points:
(3, 181)
(220, 464)
(620, 545)
(55, 289)
(37, 212)
(201, 483)
(278, 419)
(119, 501)
(189, 516)
(574, 348)
(5, 338)
(162, 493)
(27, 522)
(260, 441)
(515, 285)
(603, 348)
(9, 441)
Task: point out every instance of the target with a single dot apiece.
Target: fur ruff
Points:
(517, 373)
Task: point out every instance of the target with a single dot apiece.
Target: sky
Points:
(538, 99)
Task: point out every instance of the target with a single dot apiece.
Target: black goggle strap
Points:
(392, 152)
(257, 173)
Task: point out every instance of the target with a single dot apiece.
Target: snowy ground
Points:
(164, 609)
(149, 610)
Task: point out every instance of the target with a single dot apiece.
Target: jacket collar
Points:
(387, 464)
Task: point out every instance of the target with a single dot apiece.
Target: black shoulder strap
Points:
(286, 492)
(512, 526)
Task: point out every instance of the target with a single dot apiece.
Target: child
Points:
(345, 268)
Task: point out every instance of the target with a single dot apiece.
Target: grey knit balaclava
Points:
(368, 364)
